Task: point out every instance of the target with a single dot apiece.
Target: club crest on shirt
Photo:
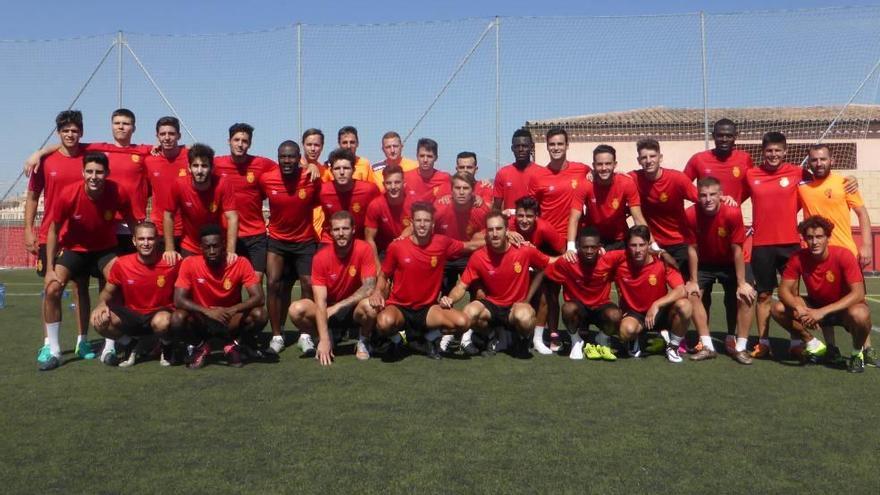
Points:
(160, 281)
(108, 215)
(574, 183)
(469, 230)
(736, 171)
(181, 172)
(352, 271)
(435, 190)
(213, 207)
(433, 261)
(615, 203)
(784, 182)
(722, 232)
(829, 276)
(652, 279)
(407, 222)
(356, 207)
(301, 194)
(227, 284)
(664, 197)
(828, 193)
(135, 158)
(517, 267)
(250, 177)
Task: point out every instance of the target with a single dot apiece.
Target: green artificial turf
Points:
(543, 425)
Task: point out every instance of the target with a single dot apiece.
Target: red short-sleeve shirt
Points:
(505, 276)
(343, 276)
(417, 271)
(216, 287)
(827, 280)
(145, 288)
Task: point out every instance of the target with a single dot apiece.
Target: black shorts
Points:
(708, 274)
(342, 323)
(451, 271)
(767, 261)
(499, 316)
(613, 245)
(834, 319)
(254, 249)
(593, 316)
(125, 244)
(679, 252)
(135, 324)
(86, 263)
(662, 321)
(415, 321)
(297, 257)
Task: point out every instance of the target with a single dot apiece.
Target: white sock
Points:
(665, 335)
(445, 341)
(80, 338)
(124, 340)
(603, 339)
(764, 342)
(466, 338)
(395, 338)
(52, 331)
(796, 343)
(707, 343)
(741, 343)
(538, 337)
(814, 345)
(433, 335)
(576, 340)
(674, 340)
(45, 340)
(109, 345)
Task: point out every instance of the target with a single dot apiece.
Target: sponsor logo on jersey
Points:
(433, 261)
(356, 207)
(736, 171)
(829, 276)
(615, 203)
(352, 271)
(250, 177)
(652, 280)
(160, 281)
(722, 232)
(301, 194)
(574, 183)
(136, 158)
(517, 267)
(664, 197)
(227, 284)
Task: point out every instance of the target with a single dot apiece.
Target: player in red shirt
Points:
(662, 192)
(586, 288)
(715, 235)
(58, 170)
(199, 199)
(724, 161)
(461, 220)
(835, 293)
(345, 193)
(503, 271)
(138, 298)
(647, 304)
(208, 299)
(343, 276)
(614, 195)
(413, 268)
(528, 224)
(773, 188)
(163, 170)
(82, 233)
(388, 215)
(426, 183)
(512, 181)
(292, 196)
(466, 162)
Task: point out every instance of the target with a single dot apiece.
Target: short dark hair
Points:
(466, 154)
(556, 131)
(707, 182)
(496, 214)
(348, 129)
(168, 120)
(421, 206)
(773, 137)
(647, 144)
(465, 177)
(241, 127)
(589, 231)
(343, 215)
(528, 203)
(815, 222)
(123, 112)
(96, 157)
(341, 154)
(428, 144)
(605, 148)
(199, 150)
(640, 231)
(822, 146)
(67, 117)
(522, 133)
(146, 224)
(210, 229)
(391, 170)
(291, 143)
(313, 132)
(722, 122)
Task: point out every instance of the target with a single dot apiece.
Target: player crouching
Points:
(343, 276)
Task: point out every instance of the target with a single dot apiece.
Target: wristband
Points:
(570, 246)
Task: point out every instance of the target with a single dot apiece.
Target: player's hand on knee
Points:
(377, 301)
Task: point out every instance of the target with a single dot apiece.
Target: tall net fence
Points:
(468, 84)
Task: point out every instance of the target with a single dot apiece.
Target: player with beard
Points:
(388, 215)
(345, 193)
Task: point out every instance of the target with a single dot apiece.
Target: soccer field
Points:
(496, 424)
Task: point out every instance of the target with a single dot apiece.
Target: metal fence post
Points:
(497, 93)
(705, 80)
(119, 43)
(299, 100)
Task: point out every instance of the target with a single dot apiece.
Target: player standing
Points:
(388, 216)
(426, 183)
(392, 148)
(163, 170)
(512, 181)
(345, 193)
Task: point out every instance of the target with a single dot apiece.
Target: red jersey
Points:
(484, 191)
(88, 225)
(417, 271)
(543, 236)
(608, 206)
(419, 189)
(663, 203)
(128, 168)
(198, 208)
(354, 201)
(589, 285)
(388, 220)
(714, 235)
(343, 276)
(244, 180)
(775, 204)
(144, 288)
(460, 224)
(827, 280)
(640, 287)
(505, 276)
(556, 191)
(731, 172)
(161, 174)
(216, 287)
(291, 202)
(512, 183)
(56, 172)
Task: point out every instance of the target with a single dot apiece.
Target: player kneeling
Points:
(642, 281)
(207, 296)
(503, 270)
(835, 294)
(343, 276)
(137, 299)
